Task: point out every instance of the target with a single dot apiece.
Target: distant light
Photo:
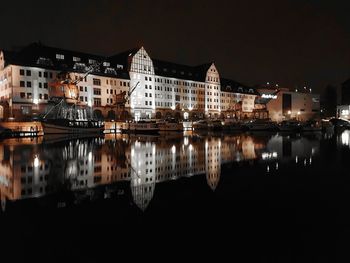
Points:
(90, 103)
(289, 112)
(268, 83)
(298, 112)
(296, 90)
(276, 85)
(173, 149)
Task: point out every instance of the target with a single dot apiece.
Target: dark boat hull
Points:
(65, 128)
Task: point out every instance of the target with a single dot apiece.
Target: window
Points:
(81, 98)
(21, 72)
(45, 74)
(46, 96)
(96, 82)
(22, 95)
(28, 73)
(50, 75)
(39, 74)
(59, 56)
(76, 59)
(97, 91)
(22, 84)
(40, 96)
(29, 84)
(97, 101)
(29, 95)
(45, 85)
(40, 85)
(85, 89)
(81, 88)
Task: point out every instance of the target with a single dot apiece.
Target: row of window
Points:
(28, 84)
(29, 95)
(28, 73)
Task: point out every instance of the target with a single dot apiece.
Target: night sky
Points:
(290, 42)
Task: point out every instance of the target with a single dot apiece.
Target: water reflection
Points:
(36, 168)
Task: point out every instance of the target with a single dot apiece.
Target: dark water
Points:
(274, 197)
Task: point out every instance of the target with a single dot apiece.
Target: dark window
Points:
(96, 82)
(45, 74)
(29, 95)
(21, 72)
(81, 88)
(286, 103)
(46, 96)
(39, 74)
(50, 75)
(97, 91)
(23, 95)
(45, 85)
(40, 85)
(40, 96)
(29, 73)
(97, 101)
(22, 84)
(29, 84)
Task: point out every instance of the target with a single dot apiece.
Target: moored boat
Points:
(66, 126)
(289, 126)
(200, 125)
(140, 127)
(170, 125)
(260, 125)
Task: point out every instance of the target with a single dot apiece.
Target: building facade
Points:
(159, 89)
(283, 104)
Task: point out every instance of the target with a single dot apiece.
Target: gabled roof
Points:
(180, 71)
(123, 58)
(230, 85)
(32, 54)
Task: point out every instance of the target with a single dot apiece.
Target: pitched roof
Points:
(180, 71)
(39, 55)
(230, 85)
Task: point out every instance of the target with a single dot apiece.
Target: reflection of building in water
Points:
(35, 170)
(22, 172)
(143, 163)
(213, 162)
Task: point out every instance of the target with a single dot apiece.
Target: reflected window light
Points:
(190, 147)
(310, 160)
(276, 166)
(186, 141)
(36, 161)
(296, 159)
(345, 138)
(173, 149)
(90, 156)
(305, 162)
(268, 169)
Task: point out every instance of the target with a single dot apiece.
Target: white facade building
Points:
(159, 89)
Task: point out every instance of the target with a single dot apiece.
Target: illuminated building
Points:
(283, 104)
(160, 89)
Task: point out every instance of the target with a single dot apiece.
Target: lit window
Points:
(59, 56)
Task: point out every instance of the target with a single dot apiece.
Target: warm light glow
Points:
(36, 161)
(173, 107)
(36, 101)
(298, 112)
(289, 112)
